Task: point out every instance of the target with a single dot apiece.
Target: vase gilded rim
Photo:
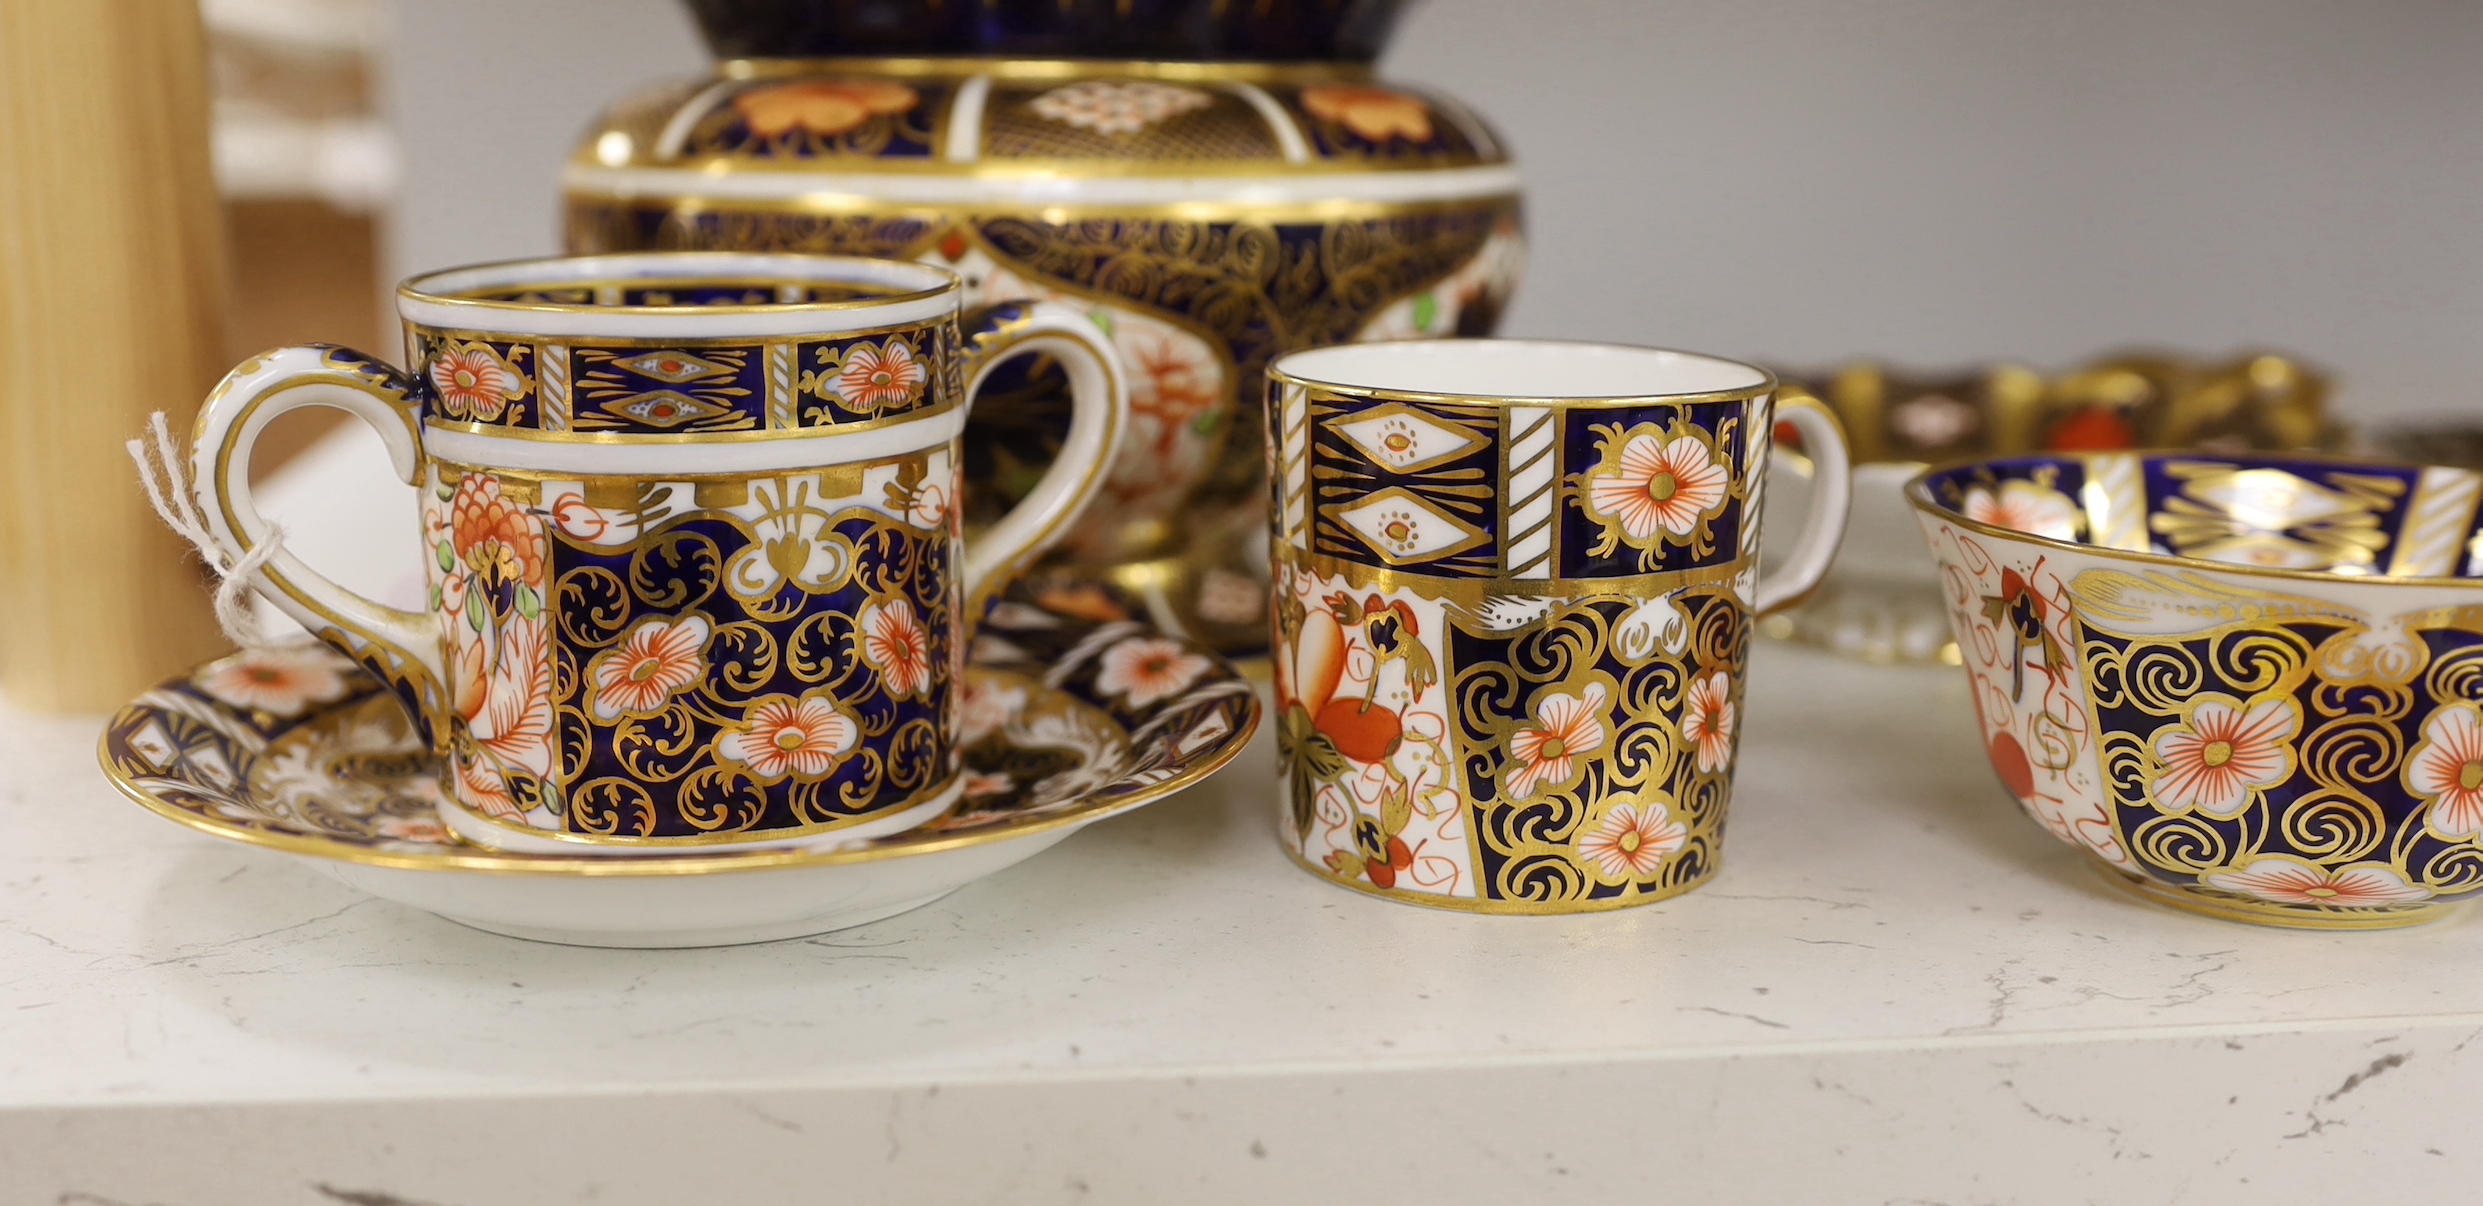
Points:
(446, 298)
(1041, 69)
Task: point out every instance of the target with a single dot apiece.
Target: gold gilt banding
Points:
(1045, 69)
(1472, 591)
(748, 436)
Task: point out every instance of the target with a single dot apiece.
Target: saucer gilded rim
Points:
(220, 766)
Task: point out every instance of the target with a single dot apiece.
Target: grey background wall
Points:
(1801, 180)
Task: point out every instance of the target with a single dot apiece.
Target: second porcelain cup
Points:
(691, 532)
(1514, 589)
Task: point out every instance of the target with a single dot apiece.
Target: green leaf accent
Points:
(448, 557)
(474, 616)
(1426, 311)
(529, 604)
(1319, 754)
(1310, 749)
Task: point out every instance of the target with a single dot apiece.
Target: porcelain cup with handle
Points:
(690, 524)
(1515, 582)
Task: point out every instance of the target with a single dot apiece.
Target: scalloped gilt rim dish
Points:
(346, 779)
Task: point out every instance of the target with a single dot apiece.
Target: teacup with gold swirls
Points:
(690, 527)
(1515, 587)
(2246, 685)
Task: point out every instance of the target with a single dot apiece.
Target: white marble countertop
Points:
(1898, 990)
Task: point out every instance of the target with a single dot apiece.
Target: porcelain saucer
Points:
(1065, 723)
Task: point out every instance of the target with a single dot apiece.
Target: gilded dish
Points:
(298, 751)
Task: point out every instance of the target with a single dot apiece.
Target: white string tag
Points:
(166, 478)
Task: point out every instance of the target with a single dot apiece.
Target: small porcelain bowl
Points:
(1881, 601)
(2247, 684)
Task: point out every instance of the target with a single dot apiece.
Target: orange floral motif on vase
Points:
(1374, 114)
(1172, 385)
(825, 108)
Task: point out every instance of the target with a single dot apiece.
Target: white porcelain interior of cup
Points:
(913, 293)
(1524, 369)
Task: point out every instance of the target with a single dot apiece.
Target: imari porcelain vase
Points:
(1515, 588)
(1212, 183)
(2245, 685)
(690, 530)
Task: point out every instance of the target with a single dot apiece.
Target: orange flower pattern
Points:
(489, 591)
(1567, 728)
(473, 382)
(781, 736)
(280, 681)
(1707, 720)
(1656, 488)
(2023, 506)
(2226, 751)
(1522, 754)
(2447, 770)
(1373, 114)
(493, 536)
(657, 660)
(1145, 670)
(883, 377)
(895, 644)
(2283, 879)
(1632, 841)
(825, 108)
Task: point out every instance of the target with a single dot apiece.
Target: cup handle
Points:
(1823, 442)
(1099, 413)
(229, 424)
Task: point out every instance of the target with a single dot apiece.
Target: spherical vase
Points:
(1229, 184)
